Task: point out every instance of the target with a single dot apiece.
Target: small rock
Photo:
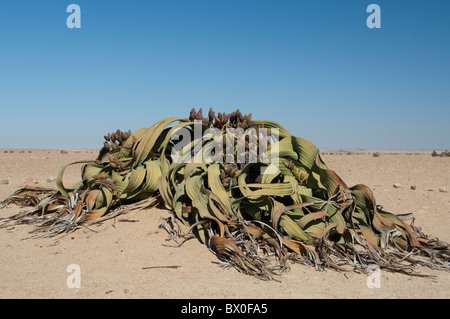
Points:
(413, 187)
(396, 185)
(31, 180)
(443, 190)
(4, 182)
(430, 189)
(64, 152)
(51, 179)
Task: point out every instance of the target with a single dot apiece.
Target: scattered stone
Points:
(443, 190)
(51, 179)
(396, 185)
(376, 154)
(413, 187)
(442, 154)
(430, 189)
(4, 182)
(31, 180)
(64, 152)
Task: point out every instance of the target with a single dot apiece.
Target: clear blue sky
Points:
(313, 66)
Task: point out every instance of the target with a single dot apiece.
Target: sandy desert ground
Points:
(112, 260)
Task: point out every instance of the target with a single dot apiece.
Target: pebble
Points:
(443, 190)
(51, 179)
(31, 180)
(397, 185)
(413, 187)
(4, 182)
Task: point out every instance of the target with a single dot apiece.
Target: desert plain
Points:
(127, 257)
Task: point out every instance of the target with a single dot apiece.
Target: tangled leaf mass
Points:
(301, 211)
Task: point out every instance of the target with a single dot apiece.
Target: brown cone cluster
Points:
(116, 139)
(235, 119)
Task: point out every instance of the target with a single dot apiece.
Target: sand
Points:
(111, 256)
